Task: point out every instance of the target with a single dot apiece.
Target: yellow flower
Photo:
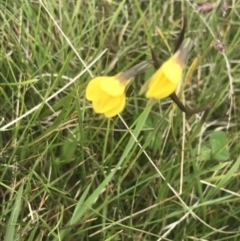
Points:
(165, 80)
(107, 93)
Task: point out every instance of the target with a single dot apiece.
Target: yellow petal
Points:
(172, 69)
(160, 89)
(166, 91)
(94, 90)
(118, 108)
(156, 79)
(99, 104)
(105, 103)
(113, 86)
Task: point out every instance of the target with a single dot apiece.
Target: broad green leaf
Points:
(205, 153)
(218, 142)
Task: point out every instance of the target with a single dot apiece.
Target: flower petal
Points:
(118, 108)
(161, 88)
(105, 103)
(156, 79)
(99, 104)
(172, 69)
(113, 86)
(94, 90)
(165, 80)
(165, 92)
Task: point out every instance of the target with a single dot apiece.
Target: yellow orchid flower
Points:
(107, 93)
(166, 79)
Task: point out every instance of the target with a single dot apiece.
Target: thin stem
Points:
(186, 109)
(182, 33)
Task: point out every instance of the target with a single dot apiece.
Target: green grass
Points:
(151, 173)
